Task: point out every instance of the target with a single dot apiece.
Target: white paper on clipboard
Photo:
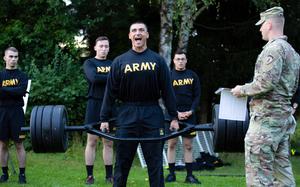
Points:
(231, 107)
(25, 98)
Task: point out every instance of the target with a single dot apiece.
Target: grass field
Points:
(68, 170)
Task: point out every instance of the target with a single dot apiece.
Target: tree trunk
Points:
(185, 26)
(166, 33)
(188, 16)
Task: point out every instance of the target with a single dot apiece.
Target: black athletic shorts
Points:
(92, 113)
(190, 120)
(11, 120)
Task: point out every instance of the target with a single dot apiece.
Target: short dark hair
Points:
(139, 22)
(11, 49)
(101, 38)
(179, 52)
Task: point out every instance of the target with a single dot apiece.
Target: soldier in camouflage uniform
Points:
(275, 81)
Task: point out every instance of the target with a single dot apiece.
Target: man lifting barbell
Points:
(138, 78)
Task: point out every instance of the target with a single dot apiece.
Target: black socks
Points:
(89, 170)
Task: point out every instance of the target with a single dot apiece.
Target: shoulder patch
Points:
(269, 59)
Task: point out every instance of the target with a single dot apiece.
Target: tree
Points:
(166, 31)
(184, 14)
(186, 11)
(189, 10)
(37, 29)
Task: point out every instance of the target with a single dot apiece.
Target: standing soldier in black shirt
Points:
(186, 86)
(13, 88)
(138, 78)
(96, 71)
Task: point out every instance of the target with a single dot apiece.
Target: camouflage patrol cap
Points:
(270, 13)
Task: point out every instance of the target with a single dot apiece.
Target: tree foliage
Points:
(262, 5)
(189, 11)
(61, 82)
(36, 29)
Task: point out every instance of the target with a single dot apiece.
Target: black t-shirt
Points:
(13, 87)
(96, 72)
(186, 86)
(138, 77)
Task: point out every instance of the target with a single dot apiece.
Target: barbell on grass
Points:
(49, 130)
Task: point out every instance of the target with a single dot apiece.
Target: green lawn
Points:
(68, 169)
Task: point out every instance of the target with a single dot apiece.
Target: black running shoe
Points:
(171, 178)
(89, 180)
(192, 180)
(109, 180)
(22, 179)
(3, 178)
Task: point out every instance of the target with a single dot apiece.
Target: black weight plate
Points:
(230, 136)
(47, 129)
(38, 130)
(221, 135)
(246, 123)
(219, 130)
(33, 137)
(240, 136)
(59, 135)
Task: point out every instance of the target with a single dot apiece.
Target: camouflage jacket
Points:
(275, 79)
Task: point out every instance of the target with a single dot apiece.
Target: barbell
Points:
(49, 130)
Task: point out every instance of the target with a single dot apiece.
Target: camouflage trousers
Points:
(267, 152)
